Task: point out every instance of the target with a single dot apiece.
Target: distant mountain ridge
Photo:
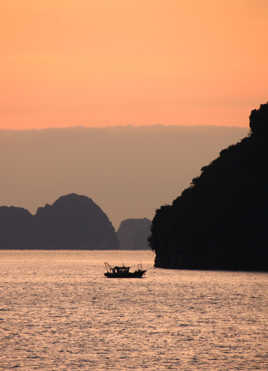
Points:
(71, 222)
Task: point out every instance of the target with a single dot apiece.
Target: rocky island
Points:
(133, 234)
(220, 221)
(71, 222)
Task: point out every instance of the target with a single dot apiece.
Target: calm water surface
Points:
(58, 312)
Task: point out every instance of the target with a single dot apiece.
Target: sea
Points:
(59, 312)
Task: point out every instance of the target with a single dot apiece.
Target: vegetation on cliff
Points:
(220, 221)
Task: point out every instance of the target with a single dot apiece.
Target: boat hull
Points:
(136, 274)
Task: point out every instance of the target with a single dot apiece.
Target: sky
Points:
(131, 62)
(128, 171)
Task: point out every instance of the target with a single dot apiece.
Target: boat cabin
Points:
(121, 269)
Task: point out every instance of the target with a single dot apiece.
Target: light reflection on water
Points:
(58, 311)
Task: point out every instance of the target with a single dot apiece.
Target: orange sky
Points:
(140, 62)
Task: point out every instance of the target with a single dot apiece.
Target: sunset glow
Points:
(120, 62)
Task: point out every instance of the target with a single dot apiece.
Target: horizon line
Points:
(128, 126)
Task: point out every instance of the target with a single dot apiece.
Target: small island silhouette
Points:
(220, 221)
(71, 222)
(133, 234)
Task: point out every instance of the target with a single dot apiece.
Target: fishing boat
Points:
(123, 272)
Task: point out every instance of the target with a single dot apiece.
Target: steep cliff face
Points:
(133, 234)
(72, 222)
(220, 221)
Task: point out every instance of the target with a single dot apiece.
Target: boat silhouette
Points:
(122, 271)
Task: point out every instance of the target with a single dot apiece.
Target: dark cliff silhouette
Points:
(133, 234)
(220, 221)
(72, 222)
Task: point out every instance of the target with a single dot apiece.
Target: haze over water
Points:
(58, 311)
